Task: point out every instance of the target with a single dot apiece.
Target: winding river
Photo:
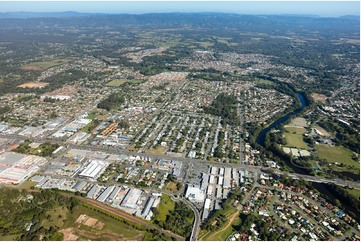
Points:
(262, 135)
(304, 171)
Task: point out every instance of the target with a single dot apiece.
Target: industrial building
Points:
(195, 194)
(130, 200)
(211, 179)
(227, 172)
(105, 194)
(214, 170)
(15, 168)
(79, 186)
(94, 169)
(220, 180)
(146, 212)
(93, 192)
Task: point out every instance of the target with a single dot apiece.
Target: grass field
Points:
(263, 81)
(160, 150)
(336, 154)
(43, 65)
(119, 82)
(115, 230)
(166, 204)
(222, 236)
(205, 44)
(89, 127)
(27, 184)
(294, 137)
(56, 217)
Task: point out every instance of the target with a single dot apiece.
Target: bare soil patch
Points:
(319, 97)
(69, 234)
(33, 85)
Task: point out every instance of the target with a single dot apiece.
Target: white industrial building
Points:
(214, 170)
(227, 172)
(209, 190)
(94, 169)
(220, 180)
(211, 179)
(221, 171)
(130, 200)
(207, 203)
(195, 194)
(105, 194)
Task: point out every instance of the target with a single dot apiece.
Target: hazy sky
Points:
(322, 8)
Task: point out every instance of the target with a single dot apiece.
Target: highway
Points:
(257, 169)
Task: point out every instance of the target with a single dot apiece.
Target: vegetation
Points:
(345, 196)
(115, 100)
(224, 106)
(337, 154)
(176, 217)
(345, 135)
(42, 65)
(45, 149)
(117, 83)
(294, 137)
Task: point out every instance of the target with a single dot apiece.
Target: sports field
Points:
(294, 137)
(338, 154)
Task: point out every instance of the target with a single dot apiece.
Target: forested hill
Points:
(264, 23)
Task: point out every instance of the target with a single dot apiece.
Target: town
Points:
(155, 125)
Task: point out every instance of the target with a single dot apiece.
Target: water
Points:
(262, 135)
(318, 186)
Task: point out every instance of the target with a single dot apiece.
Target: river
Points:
(262, 135)
(304, 171)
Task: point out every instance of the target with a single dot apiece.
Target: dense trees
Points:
(115, 100)
(179, 220)
(224, 106)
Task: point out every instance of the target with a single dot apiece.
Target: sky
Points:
(321, 8)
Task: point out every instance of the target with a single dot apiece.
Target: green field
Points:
(294, 137)
(90, 126)
(43, 65)
(205, 44)
(263, 82)
(166, 204)
(115, 229)
(221, 236)
(338, 154)
(119, 82)
(54, 217)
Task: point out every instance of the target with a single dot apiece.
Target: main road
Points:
(257, 169)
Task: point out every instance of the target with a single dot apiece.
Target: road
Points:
(258, 169)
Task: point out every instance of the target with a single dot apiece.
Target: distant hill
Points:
(272, 24)
(66, 14)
